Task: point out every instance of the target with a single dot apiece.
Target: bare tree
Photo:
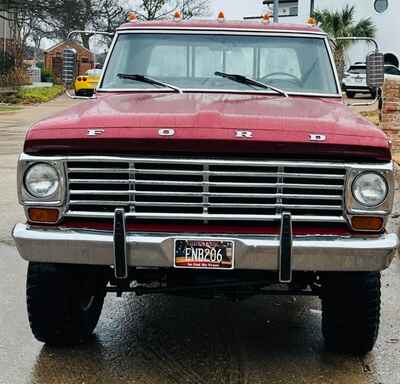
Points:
(161, 9)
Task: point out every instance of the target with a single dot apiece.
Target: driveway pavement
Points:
(161, 339)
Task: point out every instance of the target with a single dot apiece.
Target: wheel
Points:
(350, 94)
(351, 311)
(64, 302)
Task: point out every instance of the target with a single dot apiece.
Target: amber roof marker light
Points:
(221, 16)
(132, 17)
(178, 16)
(266, 18)
(312, 21)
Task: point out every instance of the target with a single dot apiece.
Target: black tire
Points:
(351, 305)
(64, 302)
(350, 94)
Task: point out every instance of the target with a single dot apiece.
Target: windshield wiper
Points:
(248, 81)
(148, 80)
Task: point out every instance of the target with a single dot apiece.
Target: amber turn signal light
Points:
(367, 223)
(43, 215)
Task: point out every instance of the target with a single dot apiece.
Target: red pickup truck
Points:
(216, 159)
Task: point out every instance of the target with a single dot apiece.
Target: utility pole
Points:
(276, 11)
(312, 7)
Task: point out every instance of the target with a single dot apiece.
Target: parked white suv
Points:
(355, 79)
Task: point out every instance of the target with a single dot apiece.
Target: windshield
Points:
(190, 61)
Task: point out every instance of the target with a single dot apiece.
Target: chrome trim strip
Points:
(261, 163)
(223, 31)
(204, 204)
(250, 195)
(310, 253)
(227, 91)
(210, 173)
(205, 217)
(203, 184)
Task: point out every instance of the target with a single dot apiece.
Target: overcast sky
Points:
(237, 9)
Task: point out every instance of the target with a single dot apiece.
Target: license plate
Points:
(204, 254)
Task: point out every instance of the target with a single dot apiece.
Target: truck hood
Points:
(208, 124)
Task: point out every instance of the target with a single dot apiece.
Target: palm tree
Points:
(342, 24)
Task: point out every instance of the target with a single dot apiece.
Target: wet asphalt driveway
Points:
(160, 339)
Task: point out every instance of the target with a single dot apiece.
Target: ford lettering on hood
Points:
(263, 126)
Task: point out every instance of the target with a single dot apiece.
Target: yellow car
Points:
(86, 84)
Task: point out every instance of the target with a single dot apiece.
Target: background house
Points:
(53, 59)
(383, 13)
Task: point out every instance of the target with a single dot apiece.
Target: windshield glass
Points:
(189, 61)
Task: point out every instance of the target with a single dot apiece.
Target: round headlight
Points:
(370, 189)
(41, 180)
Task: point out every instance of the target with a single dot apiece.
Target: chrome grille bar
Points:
(205, 189)
(176, 172)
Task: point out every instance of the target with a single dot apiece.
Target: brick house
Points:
(53, 58)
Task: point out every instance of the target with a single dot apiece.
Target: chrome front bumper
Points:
(309, 253)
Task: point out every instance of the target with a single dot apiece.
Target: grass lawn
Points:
(8, 108)
(38, 95)
(373, 116)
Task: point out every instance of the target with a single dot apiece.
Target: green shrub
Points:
(39, 94)
(46, 75)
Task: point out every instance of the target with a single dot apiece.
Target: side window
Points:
(164, 64)
(276, 60)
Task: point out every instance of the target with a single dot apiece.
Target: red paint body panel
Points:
(206, 123)
(268, 229)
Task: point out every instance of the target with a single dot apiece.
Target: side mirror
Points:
(69, 66)
(375, 70)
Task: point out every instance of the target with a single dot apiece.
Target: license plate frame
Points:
(204, 260)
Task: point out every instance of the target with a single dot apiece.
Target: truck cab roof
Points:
(225, 25)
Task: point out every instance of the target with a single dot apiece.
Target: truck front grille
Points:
(205, 190)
